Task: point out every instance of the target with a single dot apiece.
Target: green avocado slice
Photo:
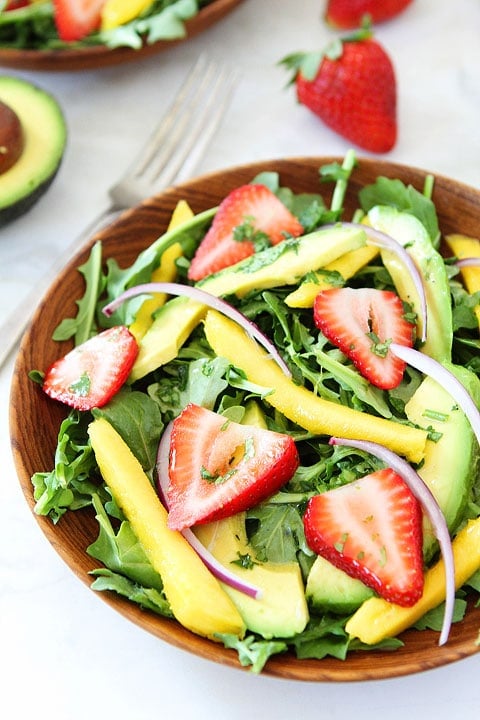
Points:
(45, 135)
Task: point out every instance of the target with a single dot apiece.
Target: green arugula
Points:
(137, 419)
(385, 191)
(82, 326)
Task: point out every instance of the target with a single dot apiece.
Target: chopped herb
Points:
(81, 387)
(245, 561)
(435, 415)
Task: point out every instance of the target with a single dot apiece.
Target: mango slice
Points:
(119, 12)
(346, 265)
(166, 272)
(196, 598)
(465, 247)
(319, 416)
(378, 619)
(281, 610)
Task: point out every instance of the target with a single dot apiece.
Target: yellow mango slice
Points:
(346, 265)
(119, 12)
(378, 619)
(463, 246)
(196, 598)
(281, 610)
(319, 416)
(166, 272)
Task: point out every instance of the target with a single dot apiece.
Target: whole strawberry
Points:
(351, 86)
(349, 14)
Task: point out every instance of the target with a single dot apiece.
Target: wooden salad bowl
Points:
(97, 56)
(35, 419)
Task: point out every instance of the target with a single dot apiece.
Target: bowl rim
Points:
(284, 666)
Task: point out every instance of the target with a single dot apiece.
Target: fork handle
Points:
(12, 329)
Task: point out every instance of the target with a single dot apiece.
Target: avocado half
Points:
(45, 136)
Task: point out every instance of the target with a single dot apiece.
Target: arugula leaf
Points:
(252, 651)
(148, 598)
(464, 304)
(119, 279)
(200, 381)
(474, 581)
(136, 417)
(121, 552)
(433, 619)
(68, 485)
(82, 326)
(385, 191)
(279, 533)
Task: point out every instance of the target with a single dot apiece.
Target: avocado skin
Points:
(27, 181)
(22, 206)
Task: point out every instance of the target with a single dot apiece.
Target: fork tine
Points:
(202, 122)
(146, 154)
(196, 119)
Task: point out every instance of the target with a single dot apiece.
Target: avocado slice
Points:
(282, 264)
(44, 135)
(411, 233)
(281, 610)
(451, 464)
(330, 589)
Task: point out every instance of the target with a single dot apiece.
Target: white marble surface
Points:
(64, 654)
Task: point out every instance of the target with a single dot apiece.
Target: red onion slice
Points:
(205, 298)
(215, 567)
(429, 366)
(431, 508)
(468, 262)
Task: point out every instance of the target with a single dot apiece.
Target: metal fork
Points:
(171, 154)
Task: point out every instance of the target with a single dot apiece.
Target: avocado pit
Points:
(33, 136)
(12, 137)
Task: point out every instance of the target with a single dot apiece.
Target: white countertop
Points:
(64, 654)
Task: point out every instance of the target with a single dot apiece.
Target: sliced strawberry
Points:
(90, 374)
(362, 323)
(74, 19)
(218, 468)
(372, 530)
(248, 218)
(349, 14)
(15, 4)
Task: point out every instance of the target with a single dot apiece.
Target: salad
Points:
(264, 382)
(46, 25)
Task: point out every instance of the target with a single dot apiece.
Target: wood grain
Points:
(34, 419)
(97, 56)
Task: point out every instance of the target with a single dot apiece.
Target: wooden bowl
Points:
(34, 419)
(97, 56)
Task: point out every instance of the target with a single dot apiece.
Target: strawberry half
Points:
(362, 323)
(74, 19)
(218, 468)
(351, 87)
(349, 14)
(90, 374)
(249, 218)
(372, 530)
